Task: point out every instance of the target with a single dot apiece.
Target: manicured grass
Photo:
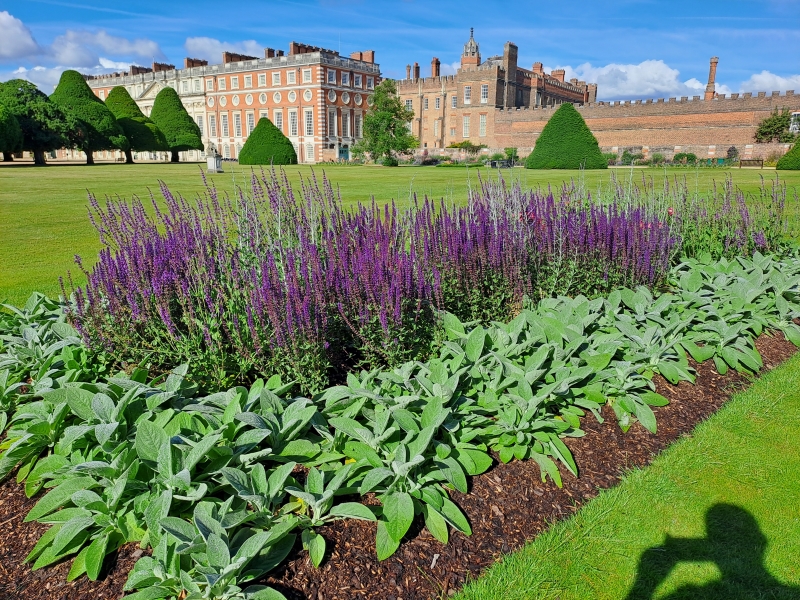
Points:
(716, 516)
(43, 217)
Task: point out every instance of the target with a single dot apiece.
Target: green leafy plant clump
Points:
(267, 145)
(566, 143)
(791, 160)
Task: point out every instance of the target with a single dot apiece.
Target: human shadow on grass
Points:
(734, 542)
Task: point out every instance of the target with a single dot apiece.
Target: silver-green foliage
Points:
(217, 484)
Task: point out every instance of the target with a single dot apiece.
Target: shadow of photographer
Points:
(734, 542)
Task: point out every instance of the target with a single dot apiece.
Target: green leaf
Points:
(182, 530)
(263, 593)
(152, 593)
(646, 417)
(60, 495)
(78, 567)
(435, 523)
(315, 544)
(398, 510)
(453, 472)
(69, 531)
(373, 478)
(352, 510)
(452, 326)
(219, 556)
(43, 542)
(149, 440)
(385, 546)
(474, 462)
(475, 341)
(653, 399)
(455, 517)
(96, 553)
(78, 400)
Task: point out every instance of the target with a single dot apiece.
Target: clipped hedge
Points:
(791, 160)
(566, 143)
(267, 145)
(180, 130)
(142, 133)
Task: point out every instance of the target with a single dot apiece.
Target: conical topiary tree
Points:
(180, 130)
(267, 145)
(566, 143)
(10, 133)
(100, 130)
(143, 135)
(791, 160)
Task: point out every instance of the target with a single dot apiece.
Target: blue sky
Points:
(631, 48)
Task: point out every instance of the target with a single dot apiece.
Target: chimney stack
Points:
(712, 77)
(416, 70)
(435, 67)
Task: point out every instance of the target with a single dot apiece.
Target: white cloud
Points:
(769, 82)
(648, 79)
(105, 63)
(450, 69)
(16, 40)
(211, 49)
(83, 48)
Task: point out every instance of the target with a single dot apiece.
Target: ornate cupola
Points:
(472, 54)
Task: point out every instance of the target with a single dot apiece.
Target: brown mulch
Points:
(506, 507)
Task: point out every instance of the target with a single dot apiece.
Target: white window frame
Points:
(221, 84)
(223, 125)
(200, 124)
(234, 82)
(454, 101)
(332, 123)
(248, 82)
(409, 104)
(185, 86)
(226, 151)
(436, 128)
(198, 86)
(345, 125)
(278, 115)
(370, 82)
(293, 124)
(308, 121)
(251, 122)
(306, 75)
(437, 103)
(212, 125)
(291, 77)
(482, 125)
(357, 80)
(345, 78)
(332, 76)
(237, 124)
(263, 114)
(262, 80)
(424, 104)
(467, 94)
(102, 94)
(209, 85)
(276, 78)
(309, 152)
(357, 127)
(484, 93)
(465, 127)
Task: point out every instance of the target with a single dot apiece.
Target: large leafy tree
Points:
(180, 130)
(775, 128)
(44, 125)
(10, 133)
(100, 130)
(566, 143)
(267, 145)
(142, 133)
(386, 131)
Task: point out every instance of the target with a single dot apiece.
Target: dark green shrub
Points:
(733, 154)
(629, 158)
(791, 160)
(657, 159)
(497, 156)
(267, 146)
(610, 157)
(511, 154)
(566, 143)
(99, 128)
(10, 132)
(686, 158)
(390, 161)
(180, 130)
(142, 133)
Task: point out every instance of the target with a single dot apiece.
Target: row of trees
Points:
(73, 117)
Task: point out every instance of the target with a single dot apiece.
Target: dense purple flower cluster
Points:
(268, 282)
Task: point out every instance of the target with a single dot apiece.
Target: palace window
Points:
(102, 94)
(310, 152)
(452, 131)
(465, 132)
(248, 81)
(212, 125)
(454, 101)
(226, 151)
(436, 128)
(263, 114)
(221, 83)
(291, 77)
(185, 87)
(251, 123)
(276, 78)
(262, 80)
(309, 117)
(345, 125)
(410, 104)
(438, 103)
(278, 114)
(357, 131)
(484, 93)
(200, 124)
(467, 94)
(357, 81)
(345, 78)
(209, 85)
(223, 123)
(237, 124)
(307, 76)
(293, 123)
(332, 123)
(235, 83)
(197, 86)
(370, 83)
(482, 126)
(424, 104)
(331, 76)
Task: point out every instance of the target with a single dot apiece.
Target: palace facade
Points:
(315, 96)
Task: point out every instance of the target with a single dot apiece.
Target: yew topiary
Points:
(791, 160)
(98, 127)
(566, 143)
(10, 133)
(180, 130)
(141, 132)
(267, 146)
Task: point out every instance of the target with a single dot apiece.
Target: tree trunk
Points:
(128, 157)
(89, 157)
(8, 157)
(38, 158)
(175, 156)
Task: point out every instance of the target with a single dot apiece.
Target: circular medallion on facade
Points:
(262, 98)
(370, 101)
(211, 101)
(235, 100)
(331, 96)
(248, 99)
(292, 96)
(276, 97)
(307, 96)
(345, 97)
(357, 99)
(223, 101)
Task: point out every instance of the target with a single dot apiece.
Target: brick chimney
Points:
(408, 71)
(189, 63)
(416, 70)
(558, 74)
(712, 77)
(538, 68)
(435, 67)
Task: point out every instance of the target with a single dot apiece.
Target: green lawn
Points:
(716, 516)
(43, 217)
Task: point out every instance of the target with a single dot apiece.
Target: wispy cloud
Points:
(211, 49)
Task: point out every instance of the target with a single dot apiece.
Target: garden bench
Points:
(751, 162)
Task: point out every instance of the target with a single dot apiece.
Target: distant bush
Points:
(686, 158)
(266, 145)
(610, 157)
(658, 158)
(629, 158)
(390, 161)
(566, 143)
(511, 154)
(498, 156)
(791, 160)
(733, 154)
